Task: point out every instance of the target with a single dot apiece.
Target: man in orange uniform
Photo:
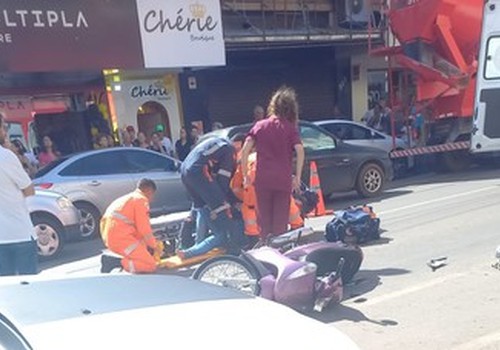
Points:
(126, 230)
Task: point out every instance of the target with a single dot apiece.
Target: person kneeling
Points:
(126, 230)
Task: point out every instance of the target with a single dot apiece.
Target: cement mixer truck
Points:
(450, 47)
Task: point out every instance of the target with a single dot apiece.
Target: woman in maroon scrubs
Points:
(275, 139)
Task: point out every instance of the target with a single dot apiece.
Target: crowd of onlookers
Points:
(31, 162)
(157, 141)
(409, 125)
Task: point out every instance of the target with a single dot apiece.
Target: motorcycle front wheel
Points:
(231, 272)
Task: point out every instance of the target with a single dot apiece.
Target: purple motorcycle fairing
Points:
(290, 282)
(298, 252)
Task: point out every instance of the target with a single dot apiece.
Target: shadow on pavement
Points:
(343, 201)
(380, 241)
(367, 280)
(342, 312)
(364, 282)
(75, 251)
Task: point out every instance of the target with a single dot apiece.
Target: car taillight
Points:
(45, 185)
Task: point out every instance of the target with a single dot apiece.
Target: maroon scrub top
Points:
(275, 139)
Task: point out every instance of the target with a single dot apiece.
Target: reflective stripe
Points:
(131, 267)
(213, 149)
(237, 190)
(224, 172)
(122, 217)
(292, 218)
(131, 248)
(223, 207)
(147, 237)
(250, 222)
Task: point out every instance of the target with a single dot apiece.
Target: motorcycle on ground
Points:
(304, 277)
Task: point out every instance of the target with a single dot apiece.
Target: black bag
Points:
(306, 199)
(354, 225)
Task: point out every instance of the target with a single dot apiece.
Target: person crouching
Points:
(126, 230)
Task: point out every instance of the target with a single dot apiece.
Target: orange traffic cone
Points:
(315, 186)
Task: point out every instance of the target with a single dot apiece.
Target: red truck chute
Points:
(439, 42)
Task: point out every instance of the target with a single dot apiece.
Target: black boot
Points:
(109, 263)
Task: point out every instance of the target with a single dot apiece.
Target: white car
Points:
(55, 219)
(150, 312)
(361, 135)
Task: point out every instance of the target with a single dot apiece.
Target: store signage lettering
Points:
(43, 19)
(34, 19)
(195, 20)
(191, 28)
(144, 33)
(5, 38)
(150, 91)
(12, 105)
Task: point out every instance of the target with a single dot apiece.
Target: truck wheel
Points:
(50, 235)
(370, 180)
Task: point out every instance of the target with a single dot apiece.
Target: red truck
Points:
(439, 42)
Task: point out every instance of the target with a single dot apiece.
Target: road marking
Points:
(420, 204)
(413, 289)
(488, 341)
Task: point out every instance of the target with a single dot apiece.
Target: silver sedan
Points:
(93, 179)
(55, 220)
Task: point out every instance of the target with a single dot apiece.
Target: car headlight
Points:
(64, 203)
(305, 270)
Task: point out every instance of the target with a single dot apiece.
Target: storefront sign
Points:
(156, 90)
(181, 33)
(55, 35)
(16, 107)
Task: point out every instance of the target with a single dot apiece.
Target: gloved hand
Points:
(158, 250)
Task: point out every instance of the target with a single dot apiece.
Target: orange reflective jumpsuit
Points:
(126, 230)
(248, 197)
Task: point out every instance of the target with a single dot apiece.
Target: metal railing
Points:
(276, 21)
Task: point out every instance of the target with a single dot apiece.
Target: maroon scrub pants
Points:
(273, 209)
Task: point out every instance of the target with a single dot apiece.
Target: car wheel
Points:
(370, 180)
(50, 236)
(89, 224)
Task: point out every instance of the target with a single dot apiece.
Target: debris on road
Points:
(496, 265)
(437, 263)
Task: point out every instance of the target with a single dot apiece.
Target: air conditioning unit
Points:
(357, 12)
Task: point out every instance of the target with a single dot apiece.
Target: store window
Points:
(150, 115)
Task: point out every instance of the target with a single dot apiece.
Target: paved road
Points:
(396, 301)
